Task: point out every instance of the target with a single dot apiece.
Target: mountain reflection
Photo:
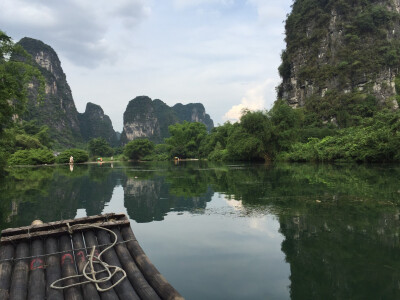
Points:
(340, 222)
(149, 200)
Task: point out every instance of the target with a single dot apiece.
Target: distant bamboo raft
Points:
(34, 257)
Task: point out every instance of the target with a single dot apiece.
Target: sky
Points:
(222, 53)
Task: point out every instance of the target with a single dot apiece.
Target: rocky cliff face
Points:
(58, 109)
(68, 128)
(94, 123)
(193, 112)
(145, 118)
(341, 53)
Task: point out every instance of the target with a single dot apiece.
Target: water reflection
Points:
(339, 223)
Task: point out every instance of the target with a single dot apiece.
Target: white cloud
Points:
(17, 11)
(80, 30)
(271, 10)
(183, 4)
(265, 224)
(256, 98)
(218, 52)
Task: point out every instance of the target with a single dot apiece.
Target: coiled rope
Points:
(90, 274)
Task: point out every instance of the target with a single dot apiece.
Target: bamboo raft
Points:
(32, 258)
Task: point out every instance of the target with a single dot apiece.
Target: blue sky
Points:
(222, 53)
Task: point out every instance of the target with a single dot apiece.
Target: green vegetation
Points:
(308, 25)
(341, 48)
(14, 79)
(57, 110)
(259, 135)
(139, 148)
(335, 47)
(377, 139)
(282, 133)
(32, 157)
(99, 147)
(80, 156)
(186, 139)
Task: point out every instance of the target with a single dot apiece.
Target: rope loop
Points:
(90, 274)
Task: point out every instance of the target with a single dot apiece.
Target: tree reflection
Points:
(340, 222)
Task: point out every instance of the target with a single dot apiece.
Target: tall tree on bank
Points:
(15, 77)
(186, 139)
(99, 147)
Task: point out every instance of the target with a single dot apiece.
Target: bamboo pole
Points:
(19, 279)
(135, 276)
(91, 241)
(6, 256)
(124, 289)
(37, 284)
(163, 288)
(61, 224)
(53, 269)
(89, 290)
(68, 269)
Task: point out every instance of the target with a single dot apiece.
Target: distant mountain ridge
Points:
(94, 123)
(69, 128)
(147, 118)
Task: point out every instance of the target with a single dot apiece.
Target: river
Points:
(236, 231)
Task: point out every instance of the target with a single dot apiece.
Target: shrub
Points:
(25, 141)
(139, 148)
(32, 157)
(79, 156)
(100, 147)
(219, 155)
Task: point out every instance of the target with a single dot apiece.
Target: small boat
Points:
(96, 257)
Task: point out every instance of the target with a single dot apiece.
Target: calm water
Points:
(238, 231)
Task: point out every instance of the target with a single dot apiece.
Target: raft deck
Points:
(33, 257)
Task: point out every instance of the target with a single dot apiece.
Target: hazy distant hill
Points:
(148, 118)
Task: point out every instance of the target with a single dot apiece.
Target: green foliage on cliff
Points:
(365, 26)
(15, 77)
(348, 109)
(57, 110)
(344, 48)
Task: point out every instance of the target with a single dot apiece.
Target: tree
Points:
(245, 146)
(186, 138)
(15, 77)
(99, 147)
(250, 139)
(138, 148)
(80, 156)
